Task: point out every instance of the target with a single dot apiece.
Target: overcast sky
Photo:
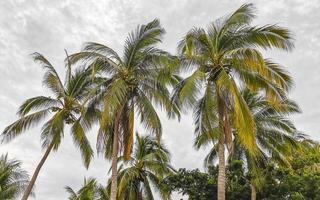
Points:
(49, 27)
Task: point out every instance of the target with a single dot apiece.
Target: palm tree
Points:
(13, 179)
(66, 107)
(147, 167)
(129, 85)
(90, 190)
(275, 136)
(221, 59)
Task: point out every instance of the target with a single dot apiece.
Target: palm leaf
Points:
(22, 124)
(51, 78)
(36, 103)
(81, 141)
(148, 116)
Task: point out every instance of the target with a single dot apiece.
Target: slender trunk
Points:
(222, 170)
(36, 173)
(139, 195)
(114, 158)
(253, 192)
(114, 175)
(223, 123)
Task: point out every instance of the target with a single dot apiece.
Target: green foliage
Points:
(238, 96)
(144, 172)
(203, 185)
(129, 85)
(90, 190)
(221, 60)
(275, 135)
(67, 106)
(13, 179)
(238, 185)
(302, 182)
(197, 185)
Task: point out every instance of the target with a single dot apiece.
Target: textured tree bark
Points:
(139, 195)
(253, 192)
(114, 158)
(225, 136)
(222, 170)
(27, 192)
(222, 110)
(114, 163)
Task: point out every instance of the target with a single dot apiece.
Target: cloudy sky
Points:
(49, 27)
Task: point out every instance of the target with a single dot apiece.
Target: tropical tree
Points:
(129, 85)
(199, 185)
(147, 167)
(90, 190)
(67, 106)
(87, 191)
(13, 179)
(222, 58)
(275, 136)
(301, 181)
(195, 184)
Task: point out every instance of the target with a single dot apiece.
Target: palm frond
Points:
(269, 36)
(242, 117)
(52, 131)
(205, 113)
(148, 115)
(81, 141)
(243, 15)
(36, 103)
(102, 49)
(211, 156)
(128, 127)
(51, 78)
(13, 179)
(186, 92)
(22, 124)
(144, 36)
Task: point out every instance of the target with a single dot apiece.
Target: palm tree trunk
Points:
(36, 173)
(223, 124)
(114, 175)
(139, 195)
(114, 158)
(253, 192)
(222, 170)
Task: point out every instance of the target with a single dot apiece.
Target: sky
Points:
(49, 27)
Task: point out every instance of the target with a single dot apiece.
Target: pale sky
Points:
(50, 26)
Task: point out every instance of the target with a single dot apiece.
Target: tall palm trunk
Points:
(114, 163)
(36, 173)
(224, 130)
(253, 192)
(140, 195)
(114, 157)
(222, 170)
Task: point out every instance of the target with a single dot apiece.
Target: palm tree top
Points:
(68, 105)
(148, 166)
(13, 179)
(133, 83)
(225, 58)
